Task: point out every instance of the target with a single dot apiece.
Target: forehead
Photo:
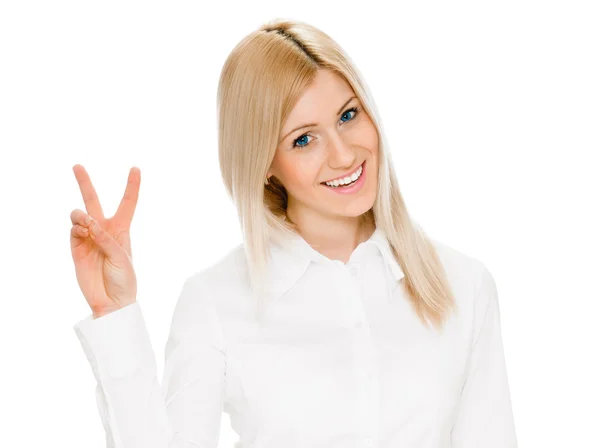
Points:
(322, 98)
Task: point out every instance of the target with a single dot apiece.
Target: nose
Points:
(339, 152)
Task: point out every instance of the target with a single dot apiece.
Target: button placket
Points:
(369, 399)
(367, 383)
(356, 310)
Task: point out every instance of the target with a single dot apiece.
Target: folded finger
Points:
(78, 231)
(81, 218)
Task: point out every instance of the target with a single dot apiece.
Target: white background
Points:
(492, 110)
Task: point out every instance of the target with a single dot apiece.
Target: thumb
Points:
(105, 242)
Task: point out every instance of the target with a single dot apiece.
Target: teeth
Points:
(346, 180)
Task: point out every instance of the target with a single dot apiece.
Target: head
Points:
(286, 75)
(283, 76)
(326, 136)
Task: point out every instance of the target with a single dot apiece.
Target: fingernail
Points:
(87, 219)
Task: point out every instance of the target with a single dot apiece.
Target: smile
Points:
(345, 181)
(350, 184)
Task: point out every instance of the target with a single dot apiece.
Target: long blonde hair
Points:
(260, 82)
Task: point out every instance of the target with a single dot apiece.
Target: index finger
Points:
(90, 198)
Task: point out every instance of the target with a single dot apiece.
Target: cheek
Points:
(298, 175)
(371, 138)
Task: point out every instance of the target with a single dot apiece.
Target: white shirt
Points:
(341, 359)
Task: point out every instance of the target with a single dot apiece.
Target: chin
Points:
(356, 209)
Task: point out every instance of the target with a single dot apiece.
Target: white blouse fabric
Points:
(340, 359)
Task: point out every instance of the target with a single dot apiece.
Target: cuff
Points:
(117, 344)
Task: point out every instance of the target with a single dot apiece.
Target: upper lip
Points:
(348, 174)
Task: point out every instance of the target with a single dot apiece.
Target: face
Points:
(339, 139)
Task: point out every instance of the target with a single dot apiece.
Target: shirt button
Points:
(368, 441)
(353, 271)
(358, 325)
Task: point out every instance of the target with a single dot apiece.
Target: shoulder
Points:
(225, 282)
(469, 277)
(460, 266)
(203, 298)
(213, 292)
(473, 285)
(229, 269)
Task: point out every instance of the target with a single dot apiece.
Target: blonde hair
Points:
(260, 82)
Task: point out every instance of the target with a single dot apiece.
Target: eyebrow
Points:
(315, 124)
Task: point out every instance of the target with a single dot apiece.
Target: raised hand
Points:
(101, 247)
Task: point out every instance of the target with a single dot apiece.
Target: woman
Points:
(337, 323)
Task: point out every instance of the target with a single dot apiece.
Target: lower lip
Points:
(352, 188)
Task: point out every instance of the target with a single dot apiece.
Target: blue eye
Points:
(295, 143)
(349, 110)
(303, 137)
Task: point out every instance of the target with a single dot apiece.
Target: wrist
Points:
(103, 312)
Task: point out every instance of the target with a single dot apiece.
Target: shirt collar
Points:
(291, 257)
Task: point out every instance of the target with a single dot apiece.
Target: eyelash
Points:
(352, 109)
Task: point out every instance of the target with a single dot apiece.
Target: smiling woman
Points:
(369, 334)
(293, 109)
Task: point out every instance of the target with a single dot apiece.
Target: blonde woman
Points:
(337, 322)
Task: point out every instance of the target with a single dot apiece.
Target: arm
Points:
(136, 411)
(485, 417)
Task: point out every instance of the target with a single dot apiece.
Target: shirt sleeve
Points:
(485, 417)
(183, 411)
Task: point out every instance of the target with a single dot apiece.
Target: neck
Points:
(334, 237)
